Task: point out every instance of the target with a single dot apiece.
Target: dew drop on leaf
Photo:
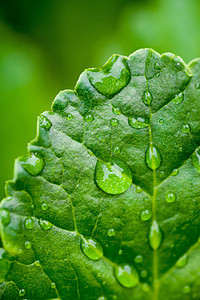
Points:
(114, 122)
(161, 121)
(45, 122)
(120, 252)
(70, 117)
(186, 289)
(111, 232)
(182, 261)
(197, 86)
(116, 150)
(139, 259)
(143, 273)
(28, 223)
(116, 111)
(153, 157)
(33, 164)
(44, 206)
(126, 275)
(53, 285)
(170, 197)
(175, 172)
(46, 225)
(185, 128)
(147, 98)
(27, 245)
(114, 177)
(91, 248)
(4, 217)
(89, 118)
(179, 98)
(138, 189)
(138, 123)
(102, 298)
(145, 215)
(155, 236)
(196, 160)
(22, 292)
(37, 263)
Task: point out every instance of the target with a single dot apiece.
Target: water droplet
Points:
(27, 245)
(196, 160)
(114, 177)
(178, 98)
(53, 285)
(161, 121)
(126, 275)
(116, 150)
(5, 217)
(155, 236)
(175, 172)
(120, 252)
(153, 157)
(45, 122)
(102, 298)
(145, 287)
(186, 289)
(46, 225)
(114, 122)
(143, 273)
(116, 111)
(99, 275)
(139, 259)
(22, 292)
(28, 223)
(138, 189)
(138, 123)
(70, 117)
(179, 66)
(37, 263)
(111, 232)
(147, 98)
(33, 164)
(145, 215)
(170, 197)
(91, 249)
(89, 118)
(182, 262)
(197, 86)
(185, 128)
(44, 206)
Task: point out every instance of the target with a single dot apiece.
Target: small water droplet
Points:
(145, 215)
(114, 177)
(170, 197)
(114, 122)
(44, 206)
(182, 262)
(91, 249)
(89, 118)
(153, 157)
(99, 275)
(22, 292)
(33, 164)
(53, 285)
(45, 122)
(28, 223)
(143, 273)
(138, 123)
(46, 225)
(70, 117)
(145, 287)
(126, 275)
(155, 236)
(186, 289)
(147, 98)
(181, 149)
(116, 150)
(37, 263)
(138, 189)
(179, 66)
(179, 98)
(5, 217)
(102, 298)
(111, 232)
(175, 172)
(120, 252)
(139, 259)
(116, 111)
(161, 121)
(27, 245)
(185, 128)
(197, 86)
(196, 160)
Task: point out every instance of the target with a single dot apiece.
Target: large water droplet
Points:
(45, 122)
(155, 236)
(147, 98)
(116, 111)
(153, 157)
(91, 248)
(114, 177)
(139, 259)
(89, 118)
(182, 262)
(111, 232)
(186, 289)
(5, 217)
(175, 172)
(126, 275)
(138, 123)
(28, 223)
(179, 98)
(185, 128)
(145, 215)
(22, 292)
(196, 160)
(33, 164)
(170, 197)
(114, 122)
(46, 225)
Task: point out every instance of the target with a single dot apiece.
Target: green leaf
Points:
(106, 203)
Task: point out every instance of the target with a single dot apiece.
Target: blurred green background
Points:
(45, 45)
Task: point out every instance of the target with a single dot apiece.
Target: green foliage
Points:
(106, 203)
